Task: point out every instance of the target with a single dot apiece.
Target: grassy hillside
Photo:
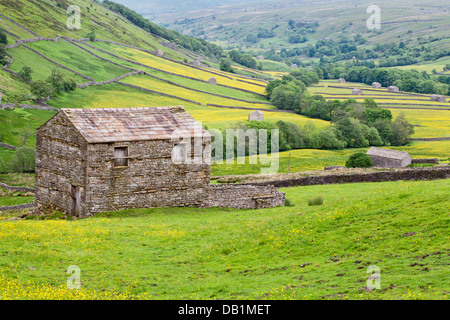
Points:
(300, 252)
(174, 80)
(49, 18)
(231, 24)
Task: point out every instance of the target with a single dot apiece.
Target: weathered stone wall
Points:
(16, 188)
(382, 162)
(27, 106)
(18, 207)
(60, 163)
(425, 160)
(400, 174)
(241, 196)
(7, 146)
(151, 179)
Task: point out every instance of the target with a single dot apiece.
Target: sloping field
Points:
(203, 98)
(126, 97)
(48, 20)
(177, 78)
(181, 69)
(79, 60)
(429, 123)
(41, 67)
(432, 117)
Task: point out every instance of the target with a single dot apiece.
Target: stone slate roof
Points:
(133, 124)
(386, 153)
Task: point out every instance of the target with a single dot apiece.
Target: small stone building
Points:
(393, 89)
(196, 63)
(376, 85)
(256, 116)
(385, 158)
(212, 80)
(438, 98)
(341, 80)
(259, 57)
(357, 91)
(95, 160)
(159, 53)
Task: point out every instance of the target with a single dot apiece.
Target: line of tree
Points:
(353, 124)
(244, 59)
(198, 45)
(56, 83)
(405, 80)
(3, 42)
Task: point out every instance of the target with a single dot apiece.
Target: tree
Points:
(41, 90)
(24, 160)
(402, 130)
(25, 74)
(287, 96)
(359, 160)
(251, 38)
(291, 133)
(328, 139)
(91, 35)
(350, 129)
(3, 55)
(225, 65)
(56, 79)
(3, 37)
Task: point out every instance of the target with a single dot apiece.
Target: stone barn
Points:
(256, 116)
(438, 98)
(341, 80)
(385, 158)
(393, 89)
(357, 92)
(95, 160)
(376, 85)
(212, 80)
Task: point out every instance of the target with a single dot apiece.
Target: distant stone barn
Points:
(96, 160)
(385, 158)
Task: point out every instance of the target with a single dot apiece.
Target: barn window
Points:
(121, 157)
(179, 153)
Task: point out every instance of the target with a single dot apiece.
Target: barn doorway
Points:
(75, 195)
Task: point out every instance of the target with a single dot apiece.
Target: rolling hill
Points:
(121, 69)
(409, 21)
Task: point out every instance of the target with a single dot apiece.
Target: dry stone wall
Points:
(151, 179)
(58, 64)
(244, 196)
(380, 176)
(425, 160)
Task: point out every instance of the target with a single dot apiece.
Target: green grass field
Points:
(300, 252)
(14, 124)
(41, 67)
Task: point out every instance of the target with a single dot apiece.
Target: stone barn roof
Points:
(133, 124)
(386, 153)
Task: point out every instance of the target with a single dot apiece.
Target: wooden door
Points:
(75, 195)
